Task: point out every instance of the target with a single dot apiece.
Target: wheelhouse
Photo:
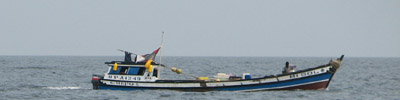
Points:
(129, 70)
(132, 72)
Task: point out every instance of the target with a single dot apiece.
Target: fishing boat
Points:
(143, 73)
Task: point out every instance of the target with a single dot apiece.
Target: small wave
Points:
(63, 88)
(33, 67)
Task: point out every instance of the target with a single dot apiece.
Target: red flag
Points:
(151, 56)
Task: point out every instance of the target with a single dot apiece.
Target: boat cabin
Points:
(132, 71)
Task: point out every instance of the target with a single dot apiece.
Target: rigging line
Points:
(160, 64)
(190, 75)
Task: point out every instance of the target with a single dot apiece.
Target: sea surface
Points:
(69, 77)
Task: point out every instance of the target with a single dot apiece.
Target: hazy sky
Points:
(357, 28)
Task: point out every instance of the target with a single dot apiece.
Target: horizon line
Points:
(208, 56)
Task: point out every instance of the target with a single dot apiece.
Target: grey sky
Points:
(358, 28)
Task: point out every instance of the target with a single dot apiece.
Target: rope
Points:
(190, 75)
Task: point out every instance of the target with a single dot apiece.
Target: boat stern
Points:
(96, 81)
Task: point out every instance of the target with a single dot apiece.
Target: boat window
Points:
(133, 70)
(155, 72)
(124, 70)
(120, 70)
(141, 71)
(136, 70)
(114, 72)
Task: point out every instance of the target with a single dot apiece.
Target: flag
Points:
(144, 58)
(139, 58)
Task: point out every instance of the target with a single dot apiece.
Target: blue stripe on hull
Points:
(279, 84)
(118, 88)
(239, 88)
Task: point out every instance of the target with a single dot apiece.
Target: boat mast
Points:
(172, 68)
(159, 68)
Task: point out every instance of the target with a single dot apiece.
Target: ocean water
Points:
(68, 77)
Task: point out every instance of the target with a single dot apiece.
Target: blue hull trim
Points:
(119, 88)
(280, 84)
(267, 86)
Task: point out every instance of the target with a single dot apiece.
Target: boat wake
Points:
(62, 88)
